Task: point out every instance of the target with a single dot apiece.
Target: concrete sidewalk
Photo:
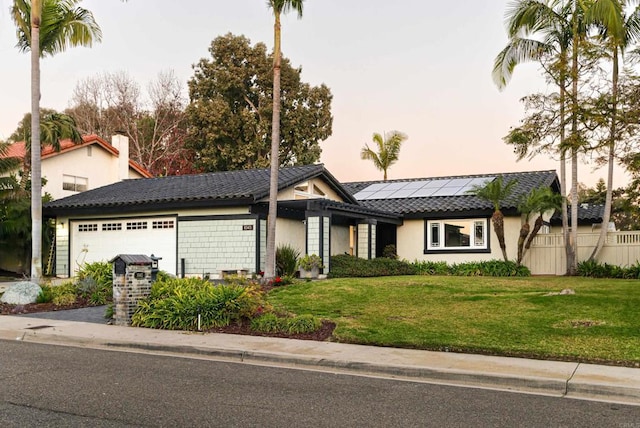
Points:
(562, 379)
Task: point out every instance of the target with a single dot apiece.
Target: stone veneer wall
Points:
(128, 290)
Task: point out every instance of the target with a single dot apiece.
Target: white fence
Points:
(547, 254)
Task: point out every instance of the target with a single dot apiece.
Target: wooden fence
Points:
(547, 254)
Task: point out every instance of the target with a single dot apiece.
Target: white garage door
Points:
(102, 240)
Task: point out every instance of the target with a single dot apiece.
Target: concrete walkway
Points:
(562, 379)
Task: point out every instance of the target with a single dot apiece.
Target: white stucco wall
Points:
(92, 162)
(290, 232)
(340, 243)
(411, 243)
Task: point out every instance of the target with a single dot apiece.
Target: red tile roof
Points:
(17, 150)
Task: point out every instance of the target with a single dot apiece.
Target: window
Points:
(308, 190)
(111, 226)
(451, 235)
(74, 184)
(162, 224)
(87, 227)
(136, 225)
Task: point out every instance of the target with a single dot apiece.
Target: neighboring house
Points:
(79, 167)
(589, 219)
(211, 224)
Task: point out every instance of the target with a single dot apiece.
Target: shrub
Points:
(349, 266)
(46, 295)
(64, 299)
(302, 324)
(95, 282)
(431, 268)
(489, 268)
(310, 261)
(286, 260)
(175, 304)
(272, 323)
(100, 272)
(390, 252)
(594, 269)
(267, 323)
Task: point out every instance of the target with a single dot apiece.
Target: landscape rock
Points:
(21, 293)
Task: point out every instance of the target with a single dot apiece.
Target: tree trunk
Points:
(524, 232)
(36, 174)
(612, 149)
(563, 157)
(498, 225)
(572, 260)
(536, 228)
(270, 263)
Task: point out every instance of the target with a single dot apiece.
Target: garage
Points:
(103, 239)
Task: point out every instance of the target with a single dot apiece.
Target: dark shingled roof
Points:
(185, 191)
(588, 214)
(452, 205)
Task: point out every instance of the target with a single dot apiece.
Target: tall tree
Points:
(618, 32)
(47, 27)
(229, 114)
(496, 192)
(388, 150)
(154, 120)
(542, 32)
(279, 7)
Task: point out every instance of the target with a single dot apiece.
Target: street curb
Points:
(554, 387)
(591, 382)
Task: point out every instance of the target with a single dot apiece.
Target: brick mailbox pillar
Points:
(132, 278)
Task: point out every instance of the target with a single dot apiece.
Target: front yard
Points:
(504, 316)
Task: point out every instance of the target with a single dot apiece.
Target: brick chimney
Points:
(121, 142)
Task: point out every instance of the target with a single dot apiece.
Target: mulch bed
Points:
(322, 334)
(6, 309)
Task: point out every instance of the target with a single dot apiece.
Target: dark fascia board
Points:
(450, 214)
(143, 208)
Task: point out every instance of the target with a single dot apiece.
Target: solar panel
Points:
(458, 182)
(422, 188)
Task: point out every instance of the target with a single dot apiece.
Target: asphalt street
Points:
(48, 385)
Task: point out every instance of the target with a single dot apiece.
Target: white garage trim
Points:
(94, 240)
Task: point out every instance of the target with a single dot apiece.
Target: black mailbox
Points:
(154, 266)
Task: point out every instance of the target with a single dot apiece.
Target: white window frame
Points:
(437, 242)
(74, 183)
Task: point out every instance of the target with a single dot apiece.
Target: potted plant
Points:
(310, 266)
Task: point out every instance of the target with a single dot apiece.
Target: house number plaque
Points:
(247, 227)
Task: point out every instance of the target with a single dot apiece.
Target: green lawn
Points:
(502, 316)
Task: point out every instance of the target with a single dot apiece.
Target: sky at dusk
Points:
(418, 66)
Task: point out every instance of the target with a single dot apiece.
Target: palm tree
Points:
(539, 31)
(538, 201)
(388, 150)
(47, 27)
(279, 7)
(495, 192)
(618, 31)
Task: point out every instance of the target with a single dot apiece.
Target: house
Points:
(79, 167)
(213, 224)
(76, 168)
(443, 220)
